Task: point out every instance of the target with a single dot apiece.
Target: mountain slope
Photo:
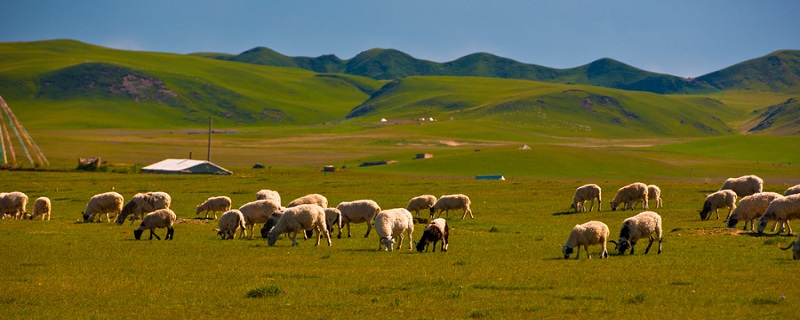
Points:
(777, 71)
(779, 119)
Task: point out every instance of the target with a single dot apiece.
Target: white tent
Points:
(185, 166)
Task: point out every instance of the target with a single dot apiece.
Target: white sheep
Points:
(643, 225)
(142, 203)
(792, 190)
(109, 202)
(14, 204)
(423, 202)
(266, 194)
(452, 202)
(229, 223)
(629, 195)
(161, 218)
(214, 205)
(333, 218)
(391, 224)
(744, 185)
(782, 210)
(584, 193)
(654, 193)
(716, 200)
(42, 207)
(298, 218)
(796, 249)
(437, 230)
(358, 211)
(750, 208)
(317, 199)
(256, 212)
(590, 233)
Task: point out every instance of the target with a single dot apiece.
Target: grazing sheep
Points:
(317, 199)
(333, 217)
(271, 222)
(357, 212)
(584, 193)
(716, 200)
(452, 202)
(423, 202)
(781, 209)
(750, 208)
(268, 195)
(629, 195)
(161, 218)
(229, 223)
(258, 212)
(744, 185)
(214, 205)
(142, 203)
(41, 207)
(792, 190)
(654, 193)
(434, 232)
(13, 204)
(393, 223)
(590, 233)
(298, 218)
(103, 203)
(642, 225)
(796, 250)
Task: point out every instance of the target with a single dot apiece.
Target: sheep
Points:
(297, 218)
(268, 195)
(590, 233)
(435, 231)
(161, 218)
(333, 217)
(629, 195)
(750, 208)
(716, 200)
(452, 201)
(423, 202)
(317, 199)
(257, 212)
(41, 207)
(103, 203)
(796, 249)
(781, 209)
(357, 212)
(744, 185)
(654, 193)
(584, 193)
(141, 203)
(271, 222)
(642, 225)
(393, 223)
(214, 205)
(13, 204)
(229, 223)
(792, 190)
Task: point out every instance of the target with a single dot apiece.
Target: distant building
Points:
(185, 166)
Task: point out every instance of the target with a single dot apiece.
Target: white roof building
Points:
(187, 166)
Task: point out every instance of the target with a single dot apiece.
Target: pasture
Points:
(506, 263)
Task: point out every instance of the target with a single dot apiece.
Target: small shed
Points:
(424, 156)
(490, 177)
(186, 166)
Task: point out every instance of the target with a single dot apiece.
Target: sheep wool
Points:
(358, 211)
(437, 230)
(266, 194)
(792, 190)
(142, 203)
(41, 207)
(643, 225)
(13, 204)
(109, 202)
(452, 202)
(229, 223)
(716, 200)
(590, 233)
(654, 194)
(744, 185)
(214, 205)
(162, 218)
(629, 195)
(298, 218)
(258, 211)
(391, 224)
(750, 208)
(584, 193)
(314, 198)
(782, 210)
(423, 202)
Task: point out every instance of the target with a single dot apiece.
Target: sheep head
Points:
(732, 222)
(86, 217)
(614, 205)
(138, 233)
(796, 251)
(388, 242)
(567, 250)
(705, 214)
(762, 224)
(272, 237)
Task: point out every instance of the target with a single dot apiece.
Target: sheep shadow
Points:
(565, 213)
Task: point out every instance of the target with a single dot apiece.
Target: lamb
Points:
(750, 208)
(14, 204)
(317, 199)
(393, 223)
(142, 203)
(301, 217)
(103, 203)
(792, 190)
(642, 225)
(781, 209)
(41, 207)
(796, 249)
(357, 212)
(436, 231)
(590, 233)
(744, 185)
(214, 205)
(716, 200)
(454, 202)
(161, 218)
(268, 195)
(584, 193)
(423, 202)
(629, 195)
(257, 212)
(229, 223)
(654, 193)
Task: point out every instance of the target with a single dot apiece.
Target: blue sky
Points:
(679, 37)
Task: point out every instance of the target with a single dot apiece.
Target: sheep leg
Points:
(716, 210)
(633, 244)
(170, 233)
(465, 214)
(153, 234)
(369, 228)
(591, 206)
(294, 238)
(647, 250)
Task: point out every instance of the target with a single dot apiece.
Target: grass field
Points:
(506, 263)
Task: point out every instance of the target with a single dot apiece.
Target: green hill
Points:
(777, 71)
(780, 119)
